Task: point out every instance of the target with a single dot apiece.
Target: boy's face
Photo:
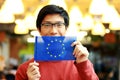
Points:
(52, 25)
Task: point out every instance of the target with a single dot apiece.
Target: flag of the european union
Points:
(53, 48)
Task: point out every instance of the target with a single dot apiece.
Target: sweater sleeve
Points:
(22, 69)
(21, 73)
(86, 71)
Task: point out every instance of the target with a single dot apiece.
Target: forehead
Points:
(53, 18)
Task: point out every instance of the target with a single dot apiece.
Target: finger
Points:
(32, 66)
(35, 77)
(36, 70)
(81, 50)
(34, 63)
(78, 55)
(75, 43)
(76, 50)
(36, 73)
(84, 51)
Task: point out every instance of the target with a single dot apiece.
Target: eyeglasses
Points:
(49, 25)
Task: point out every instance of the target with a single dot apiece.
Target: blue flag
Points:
(53, 48)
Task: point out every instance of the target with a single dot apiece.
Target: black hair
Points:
(52, 9)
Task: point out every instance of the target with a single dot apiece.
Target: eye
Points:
(46, 24)
(60, 24)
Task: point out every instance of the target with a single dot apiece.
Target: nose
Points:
(53, 30)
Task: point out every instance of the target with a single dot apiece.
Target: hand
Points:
(80, 52)
(33, 71)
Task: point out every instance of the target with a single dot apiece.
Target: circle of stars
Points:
(55, 55)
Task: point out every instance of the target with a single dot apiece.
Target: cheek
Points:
(62, 32)
(43, 33)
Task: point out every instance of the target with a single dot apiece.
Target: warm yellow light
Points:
(72, 30)
(35, 33)
(59, 3)
(6, 17)
(30, 22)
(31, 39)
(37, 11)
(13, 6)
(75, 14)
(75, 18)
(81, 35)
(87, 23)
(98, 29)
(20, 28)
(107, 30)
(97, 7)
(115, 25)
(110, 14)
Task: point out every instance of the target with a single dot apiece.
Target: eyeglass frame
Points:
(49, 25)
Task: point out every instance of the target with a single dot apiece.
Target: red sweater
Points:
(60, 70)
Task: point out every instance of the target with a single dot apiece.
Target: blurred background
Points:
(96, 23)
